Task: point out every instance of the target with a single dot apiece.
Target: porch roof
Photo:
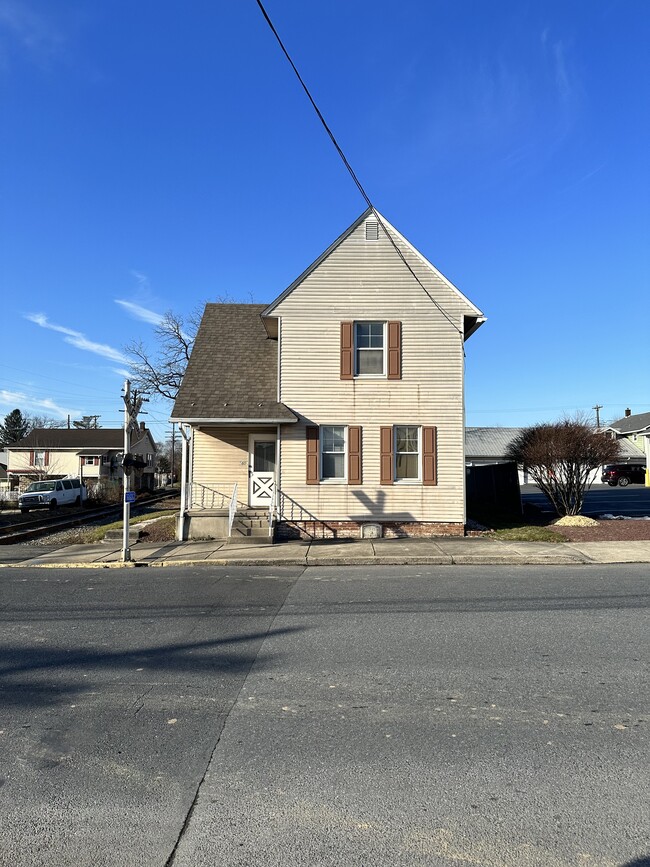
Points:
(231, 377)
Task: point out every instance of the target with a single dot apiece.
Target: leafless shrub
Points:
(560, 458)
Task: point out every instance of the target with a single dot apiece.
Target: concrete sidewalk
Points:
(389, 552)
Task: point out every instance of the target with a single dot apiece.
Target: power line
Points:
(351, 171)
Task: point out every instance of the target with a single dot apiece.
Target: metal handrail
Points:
(232, 510)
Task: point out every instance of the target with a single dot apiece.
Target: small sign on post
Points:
(129, 497)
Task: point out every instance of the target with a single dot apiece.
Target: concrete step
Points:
(242, 539)
(249, 531)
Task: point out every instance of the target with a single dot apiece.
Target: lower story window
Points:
(407, 453)
(332, 452)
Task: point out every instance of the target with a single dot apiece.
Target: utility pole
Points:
(598, 408)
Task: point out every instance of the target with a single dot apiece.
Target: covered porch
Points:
(229, 481)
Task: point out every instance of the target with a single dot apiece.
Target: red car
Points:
(623, 474)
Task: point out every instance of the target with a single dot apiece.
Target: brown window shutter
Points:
(394, 350)
(313, 474)
(386, 461)
(354, 456)
(429, 459)
(46, 459)
(31, 458)
(347, 350)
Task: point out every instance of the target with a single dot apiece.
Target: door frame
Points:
(261, 437)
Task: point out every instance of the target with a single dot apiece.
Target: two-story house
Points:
(338, 405)
(94, 455)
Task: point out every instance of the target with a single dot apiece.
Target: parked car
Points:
(623, 474)
(52, 493)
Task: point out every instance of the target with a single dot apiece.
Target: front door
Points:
(261, 470)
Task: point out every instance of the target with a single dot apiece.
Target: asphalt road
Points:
(385, 716)
(633, 501)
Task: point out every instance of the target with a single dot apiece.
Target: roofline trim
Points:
(475, 310)
(316, 263)
(233, 420)
(626, 432)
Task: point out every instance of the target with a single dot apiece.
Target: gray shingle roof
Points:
(492, 442)
(232, 372)
(631, 423)
(62, 438)
(488, 442)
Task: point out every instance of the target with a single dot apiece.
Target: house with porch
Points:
(634, 429)
(338, 409)
(95, 455)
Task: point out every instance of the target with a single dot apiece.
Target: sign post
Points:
(126, 507)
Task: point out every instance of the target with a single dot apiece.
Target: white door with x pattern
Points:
(261, 470)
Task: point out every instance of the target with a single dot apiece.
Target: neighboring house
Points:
(339, 404)
(4, 482)
(634, 429)
(488, 445)
(95, 455)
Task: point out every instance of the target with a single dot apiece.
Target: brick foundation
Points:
(352, 529)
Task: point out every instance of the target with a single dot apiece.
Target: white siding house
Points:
(341, 404)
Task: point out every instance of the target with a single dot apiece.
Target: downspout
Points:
(462, 392)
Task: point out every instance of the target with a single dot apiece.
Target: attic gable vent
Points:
(372, 230)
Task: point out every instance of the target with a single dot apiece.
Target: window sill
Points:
(333, 482)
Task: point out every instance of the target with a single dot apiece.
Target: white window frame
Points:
(417, 481)
(384, 324)
(339, 480)
(39, 457)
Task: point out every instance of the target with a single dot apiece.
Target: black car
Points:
(623, 474)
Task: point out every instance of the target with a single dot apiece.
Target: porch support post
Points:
(184, 482)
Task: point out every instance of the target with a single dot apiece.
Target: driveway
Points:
(633, 501)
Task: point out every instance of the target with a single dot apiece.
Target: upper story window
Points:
(39, 458)
(369, 348)
(372, 349)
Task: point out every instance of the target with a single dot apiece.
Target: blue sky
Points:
(156, 155)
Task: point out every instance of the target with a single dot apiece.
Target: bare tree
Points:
(160, 370)
(43, 421)
(560, 458)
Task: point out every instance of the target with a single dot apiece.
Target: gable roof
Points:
(232, 374)
(98, 440)
(631, 423)
(64, 438)
(472, 311)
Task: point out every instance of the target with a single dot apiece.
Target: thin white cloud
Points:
(143, 280)
(141, 313)
(78, 339)
(121, 372)
(31, 31)
(561, 73)
(27, 403)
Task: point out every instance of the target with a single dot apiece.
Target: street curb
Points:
(456, 560)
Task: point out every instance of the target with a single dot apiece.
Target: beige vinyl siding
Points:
(220, 458)
(61, 463)
(366, 280)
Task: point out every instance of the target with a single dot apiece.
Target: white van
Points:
(50, 494)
